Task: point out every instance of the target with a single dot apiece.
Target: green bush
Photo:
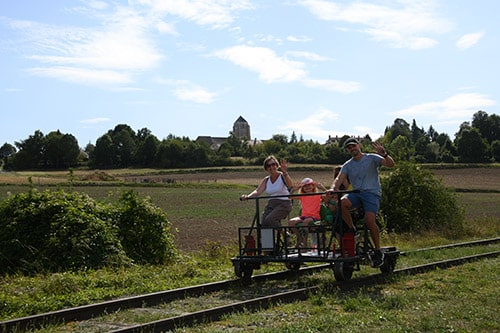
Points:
(144, 230)
(54, 231)
(58, 231)
(414, 200)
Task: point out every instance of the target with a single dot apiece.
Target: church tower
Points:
(241, 129)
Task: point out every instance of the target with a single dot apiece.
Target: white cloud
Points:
(313, 126)
(271, 68)
(469, 40)
(345, 87)
(82, 75)
(96, 4)
(195, 94)
(188, 91)
(307, 55)
(405, 24)
(455, 108)
(112, 53)
(298, 39)
(216, 13)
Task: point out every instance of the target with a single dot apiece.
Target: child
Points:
(311, 205)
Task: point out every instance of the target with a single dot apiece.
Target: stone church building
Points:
(241, 129)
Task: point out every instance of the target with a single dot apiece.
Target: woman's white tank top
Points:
(277, 188)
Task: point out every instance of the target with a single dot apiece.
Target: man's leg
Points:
(370, 220)
(346, 214)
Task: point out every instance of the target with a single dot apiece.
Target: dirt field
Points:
(472, 178)
(218, 215)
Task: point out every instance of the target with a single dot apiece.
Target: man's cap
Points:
(350, 141)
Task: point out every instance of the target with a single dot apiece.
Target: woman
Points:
(276, 183)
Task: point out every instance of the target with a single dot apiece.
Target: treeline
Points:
(477, 141)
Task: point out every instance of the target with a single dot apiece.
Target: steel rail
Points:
(463, 244)
(216, 313)
(86, 312)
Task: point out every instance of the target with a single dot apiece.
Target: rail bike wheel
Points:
(293, 266)
(389, 264)
(343, 270)
(237, 269)
(246, 273)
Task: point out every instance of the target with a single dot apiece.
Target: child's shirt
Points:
(311, 206)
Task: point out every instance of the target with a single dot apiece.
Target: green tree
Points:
(400, 148)
(421, 145)
(276, 145)
(103, 155)
(416, 132)
(233, 144)
(432, 153)
(30, 152)
(170, 153)
(495, 150)
(399, 127)
(6, 151)
(335, 154)
(471, 147)
(124, 145)
(488, 126)
(146, 151)
(61, 150)
(432, 134)
(445, 144)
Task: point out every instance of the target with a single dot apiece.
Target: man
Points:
(362, 172)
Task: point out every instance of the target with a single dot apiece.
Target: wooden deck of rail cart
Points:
(329, 243)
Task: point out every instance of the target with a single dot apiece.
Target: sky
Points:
(190, 68)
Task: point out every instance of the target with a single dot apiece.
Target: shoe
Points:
(300, 248)
(377, 258)
(288, 239)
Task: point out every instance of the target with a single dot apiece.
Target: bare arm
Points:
(284, 172)
(321, 187)
(258, 191)
(341, 179)
(387, 159)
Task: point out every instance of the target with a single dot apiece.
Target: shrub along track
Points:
(254, 299)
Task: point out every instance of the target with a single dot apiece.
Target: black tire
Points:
(343, 270)
(389, 264)
(237, 269)
(246, 276)
(293, 266)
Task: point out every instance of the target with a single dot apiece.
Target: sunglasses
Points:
(268, 165)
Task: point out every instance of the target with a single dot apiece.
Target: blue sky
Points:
(190, 68)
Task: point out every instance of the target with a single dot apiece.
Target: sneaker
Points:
(352, 230)
(377, 258)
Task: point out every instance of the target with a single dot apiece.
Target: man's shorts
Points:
(369, 200)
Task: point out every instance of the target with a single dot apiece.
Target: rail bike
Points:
(330, 243)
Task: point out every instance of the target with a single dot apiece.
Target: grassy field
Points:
(205, 209)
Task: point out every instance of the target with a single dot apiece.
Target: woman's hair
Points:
(270, 158)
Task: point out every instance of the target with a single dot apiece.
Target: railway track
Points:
(90, 312)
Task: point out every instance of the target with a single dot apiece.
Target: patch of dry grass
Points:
(212, 212)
